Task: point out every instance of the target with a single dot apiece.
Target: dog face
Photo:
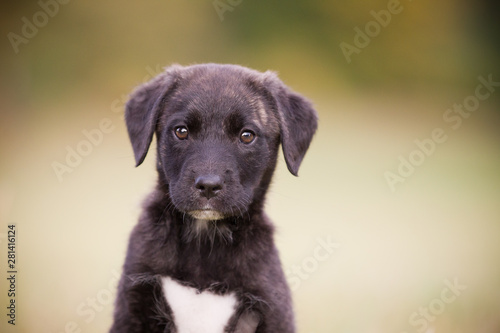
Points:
(214, 145)
(218, 130)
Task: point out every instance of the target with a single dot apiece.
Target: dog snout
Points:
(208, 185)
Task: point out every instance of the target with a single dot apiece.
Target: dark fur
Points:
(235, 253)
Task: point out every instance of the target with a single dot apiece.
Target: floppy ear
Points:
(298, 121)
(144, 107)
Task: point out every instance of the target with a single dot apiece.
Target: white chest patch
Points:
(196, 312)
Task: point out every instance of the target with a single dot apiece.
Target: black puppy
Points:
(202, 257)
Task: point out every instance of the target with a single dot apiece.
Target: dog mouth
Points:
(206, 214)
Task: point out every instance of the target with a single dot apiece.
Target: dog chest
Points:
(195, 311)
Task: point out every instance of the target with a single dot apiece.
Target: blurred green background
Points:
(67, 68)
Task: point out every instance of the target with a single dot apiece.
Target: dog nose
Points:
(208, 185)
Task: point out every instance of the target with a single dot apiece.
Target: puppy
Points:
(202, 257)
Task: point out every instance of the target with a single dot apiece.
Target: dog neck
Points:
(200, 253)
(222, 232)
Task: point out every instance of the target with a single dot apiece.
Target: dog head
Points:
(218, 131)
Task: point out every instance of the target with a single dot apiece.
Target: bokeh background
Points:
(399, 249)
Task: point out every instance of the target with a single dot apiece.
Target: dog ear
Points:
(298, 121)
(143, 109)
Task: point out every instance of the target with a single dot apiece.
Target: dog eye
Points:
(247, 136)
(181, 132)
